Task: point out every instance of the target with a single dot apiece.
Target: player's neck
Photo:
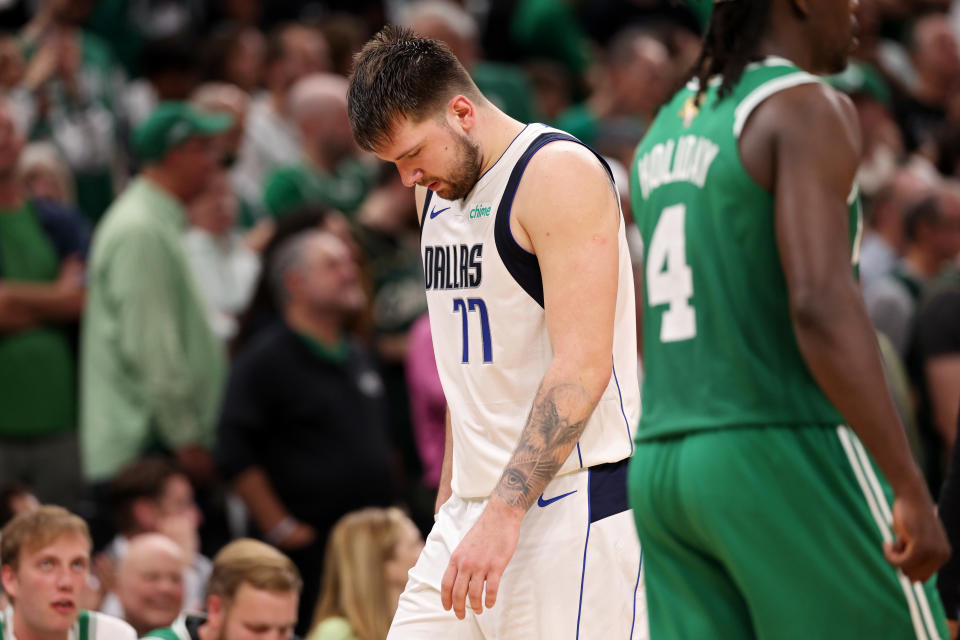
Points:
(495, 133)
(788, 43)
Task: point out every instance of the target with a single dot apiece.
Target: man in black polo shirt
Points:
(303, 434)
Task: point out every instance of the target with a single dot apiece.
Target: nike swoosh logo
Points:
(436, 212)
(544, 503)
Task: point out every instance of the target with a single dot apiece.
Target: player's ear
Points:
(463, 111)
(8, 578)
(215, 610)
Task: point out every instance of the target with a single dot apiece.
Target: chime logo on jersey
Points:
(454, 266)
(482, 210)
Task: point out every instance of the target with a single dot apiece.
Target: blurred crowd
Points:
(211, 302)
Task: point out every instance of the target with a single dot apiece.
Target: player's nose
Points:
(410, 177)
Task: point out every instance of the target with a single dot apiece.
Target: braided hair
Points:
(733, 35)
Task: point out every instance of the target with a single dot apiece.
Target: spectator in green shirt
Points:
(152, 368)
(332, 172)
(41, 295)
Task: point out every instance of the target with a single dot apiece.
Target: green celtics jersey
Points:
(718, 344)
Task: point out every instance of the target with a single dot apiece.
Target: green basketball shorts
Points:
(772, 533)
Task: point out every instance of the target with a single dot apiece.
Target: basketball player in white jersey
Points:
(530, 295)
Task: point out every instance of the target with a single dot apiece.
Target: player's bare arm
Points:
(566, 213)
(803, 144)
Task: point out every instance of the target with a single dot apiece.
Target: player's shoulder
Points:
(562, 167)
(101, 626)
(810, 108)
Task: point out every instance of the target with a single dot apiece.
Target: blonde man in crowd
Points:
(44, 566)
(253, 592)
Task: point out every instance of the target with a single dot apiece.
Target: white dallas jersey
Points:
(485, 298)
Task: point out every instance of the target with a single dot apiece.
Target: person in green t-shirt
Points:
(332, 172)
(41, 295)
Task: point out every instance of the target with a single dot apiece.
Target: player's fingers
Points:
(446, 586)
(918, 563)
(475, 593)
(460, 592)
(493, 585)
(914, 561)
(896, 553)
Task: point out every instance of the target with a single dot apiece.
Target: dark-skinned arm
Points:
(816, 150)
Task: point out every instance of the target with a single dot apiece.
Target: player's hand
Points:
(921, 545)
(480, 559)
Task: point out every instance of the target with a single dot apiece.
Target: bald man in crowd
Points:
(150, 582)
(332, 171)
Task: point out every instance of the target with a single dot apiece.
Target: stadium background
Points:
(80, 77)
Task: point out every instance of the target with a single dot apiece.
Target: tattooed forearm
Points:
(556, 421)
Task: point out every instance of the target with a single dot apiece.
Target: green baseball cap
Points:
(173, 123)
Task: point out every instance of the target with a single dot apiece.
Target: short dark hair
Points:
(144, 478)
(398, 74)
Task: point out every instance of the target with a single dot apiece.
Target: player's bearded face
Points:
(464, 173)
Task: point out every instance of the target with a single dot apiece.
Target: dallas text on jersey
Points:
(452, 266)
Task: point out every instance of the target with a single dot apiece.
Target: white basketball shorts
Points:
(576, 573)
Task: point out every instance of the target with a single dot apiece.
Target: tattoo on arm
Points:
(556, 422)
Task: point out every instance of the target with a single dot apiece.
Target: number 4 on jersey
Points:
(669, 278)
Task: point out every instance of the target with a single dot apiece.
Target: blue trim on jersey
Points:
(423, 214)
(520, 263)
(622, 412)
(500, 158)
(583, 572)
(579, 455)
(633, 620)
